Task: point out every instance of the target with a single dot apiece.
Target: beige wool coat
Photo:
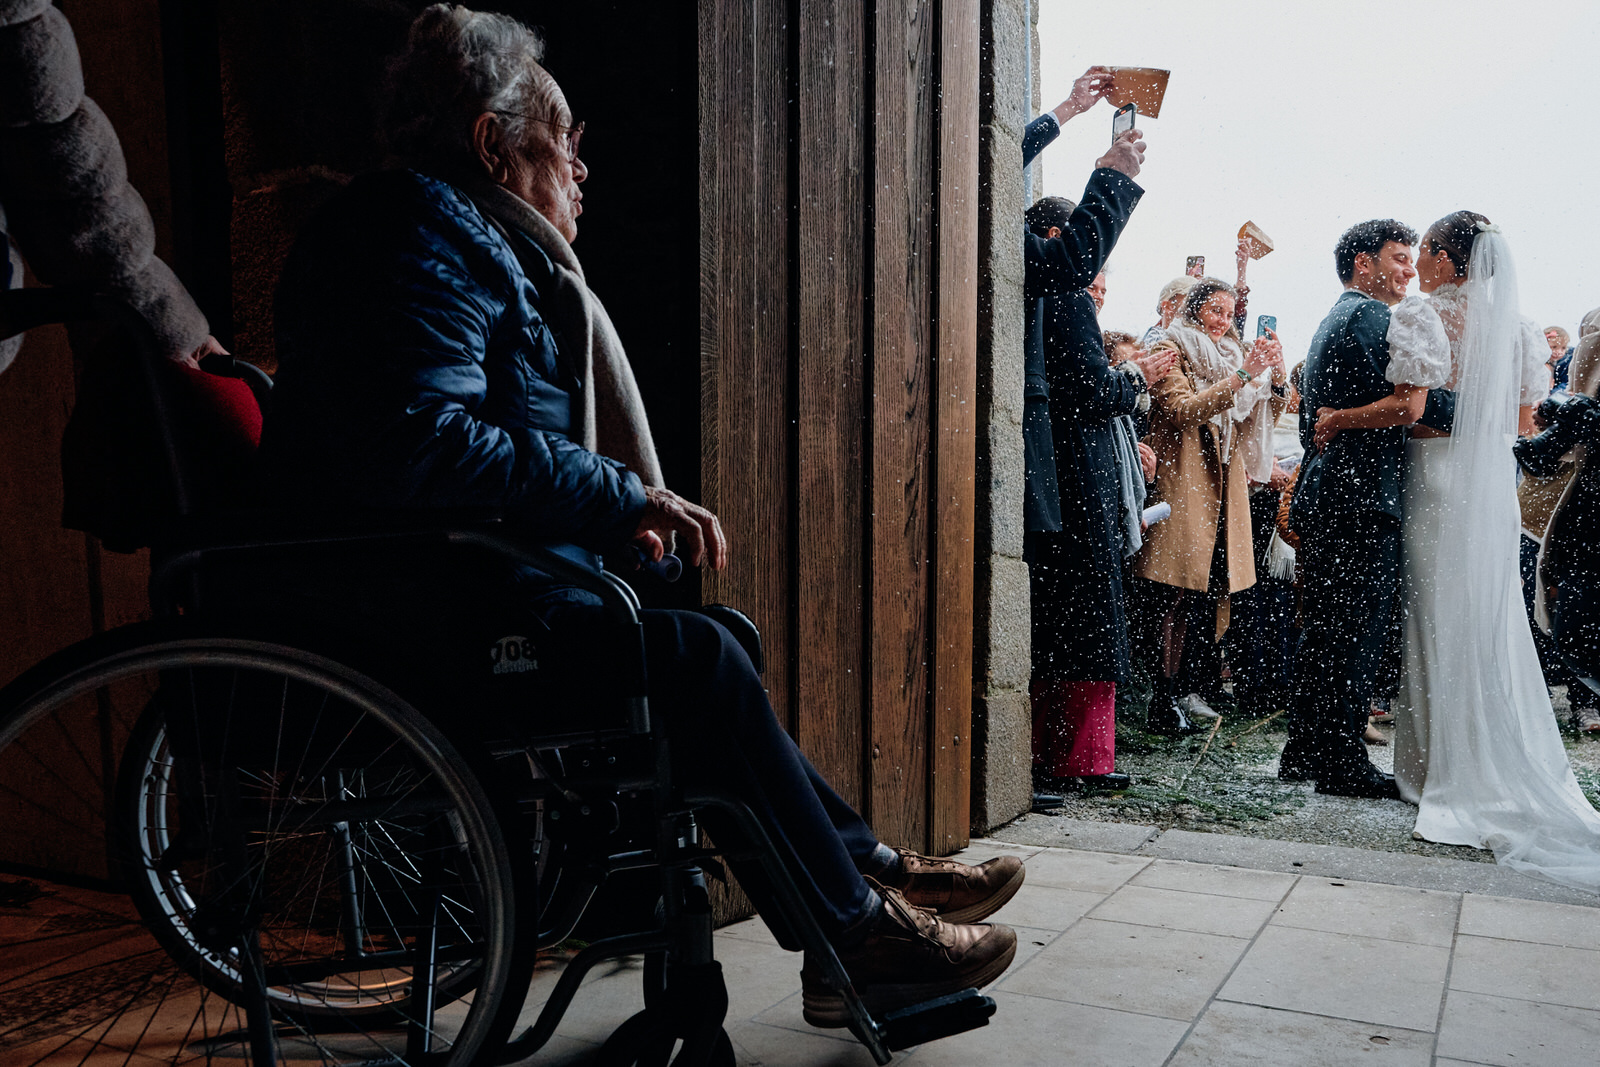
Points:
(1177, 551)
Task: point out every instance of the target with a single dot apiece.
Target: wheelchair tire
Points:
(268, 892)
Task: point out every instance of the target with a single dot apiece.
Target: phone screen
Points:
(1123, 121)
(1195, 266)
(1265, 323)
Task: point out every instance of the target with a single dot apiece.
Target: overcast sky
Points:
(1307, 117)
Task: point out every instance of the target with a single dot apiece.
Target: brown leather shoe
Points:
(956, 892)
(910, 956)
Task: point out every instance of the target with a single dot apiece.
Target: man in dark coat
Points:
(1073, 540)
(1347, 511)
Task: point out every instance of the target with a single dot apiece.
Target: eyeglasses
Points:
(569, 134)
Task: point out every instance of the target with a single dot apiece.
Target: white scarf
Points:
(611, 419)
(1247, 424)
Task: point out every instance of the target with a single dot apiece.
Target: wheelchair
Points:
(229, 838)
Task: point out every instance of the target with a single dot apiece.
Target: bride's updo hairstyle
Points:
(1454, 233)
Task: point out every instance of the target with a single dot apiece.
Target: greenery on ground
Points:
(1218, 776)
(1224, 780)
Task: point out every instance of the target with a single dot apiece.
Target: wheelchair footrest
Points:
(933, 1019)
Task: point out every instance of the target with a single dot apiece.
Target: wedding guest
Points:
(1261, 635)
(1122, 348)
(1560, 343)
(1537, 497)
(1241, 308)
(1211, 427)
(1097, 292)
(1167, 306)
(1073, 544)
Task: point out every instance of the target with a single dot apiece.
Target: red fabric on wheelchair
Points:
(116, 481)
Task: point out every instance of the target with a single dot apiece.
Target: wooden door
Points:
(838, 213)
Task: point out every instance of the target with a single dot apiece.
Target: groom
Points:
(1347, 511)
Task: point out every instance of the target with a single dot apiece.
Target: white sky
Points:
(1308, 116)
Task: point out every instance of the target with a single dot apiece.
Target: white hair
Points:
(457, 64)
(1175, 288)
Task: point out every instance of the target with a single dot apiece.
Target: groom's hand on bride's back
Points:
(1126, 154)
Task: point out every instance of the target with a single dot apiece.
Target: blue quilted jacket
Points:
(415, 371)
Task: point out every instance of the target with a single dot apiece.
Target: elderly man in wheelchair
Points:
(438, 349)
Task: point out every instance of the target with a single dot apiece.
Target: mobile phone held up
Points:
(1123, 120)
(1265, 323)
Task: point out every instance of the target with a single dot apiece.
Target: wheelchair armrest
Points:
(245, 534)
(617, 595)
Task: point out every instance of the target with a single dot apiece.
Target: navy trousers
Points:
(707, 699)
(1350, 575)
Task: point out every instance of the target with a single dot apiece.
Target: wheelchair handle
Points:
(668, 568)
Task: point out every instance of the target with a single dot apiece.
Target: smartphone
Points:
(1123, 120)
(1195, 266)
(1265, 323)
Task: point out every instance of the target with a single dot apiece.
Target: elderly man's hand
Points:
(665, 513)
(1126, 155)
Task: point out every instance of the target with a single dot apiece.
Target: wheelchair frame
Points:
(684, 993)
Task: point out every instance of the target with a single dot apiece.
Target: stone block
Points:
(1006, 473)
(1005, 71)
(1003, 761)
(1010, 639)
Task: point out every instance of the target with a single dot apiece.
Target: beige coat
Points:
(1177, 551)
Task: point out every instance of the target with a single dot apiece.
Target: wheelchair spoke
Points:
(51, 769)
(233, 838)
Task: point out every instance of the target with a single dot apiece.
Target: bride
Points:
(1477, 747)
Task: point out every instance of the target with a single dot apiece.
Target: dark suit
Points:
(1041, 500)
(1074, 540)
(1347, 511)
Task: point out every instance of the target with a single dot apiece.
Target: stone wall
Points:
(1002, 721)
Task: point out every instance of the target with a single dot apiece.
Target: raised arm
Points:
(1177, 398)
(1174, 396)
(1088, 90)
(1069, 262)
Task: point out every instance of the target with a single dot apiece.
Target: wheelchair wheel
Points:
(295, 866)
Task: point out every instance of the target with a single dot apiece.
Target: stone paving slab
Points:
(1130, 956)
(1289, 857)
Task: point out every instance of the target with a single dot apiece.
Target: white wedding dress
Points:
(1477, 747)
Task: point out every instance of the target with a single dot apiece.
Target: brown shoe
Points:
(910, 956)
(956, 892)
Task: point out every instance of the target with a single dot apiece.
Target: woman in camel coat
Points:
(1211, 428)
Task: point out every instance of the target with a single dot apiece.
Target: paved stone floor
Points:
(1130, 957)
